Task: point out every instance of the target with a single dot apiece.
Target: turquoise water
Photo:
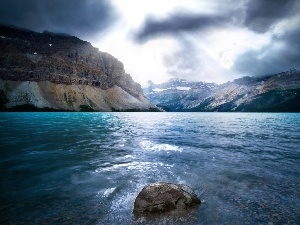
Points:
(87, 168)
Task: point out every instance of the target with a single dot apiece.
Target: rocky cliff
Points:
(61, 72)
(273, 93)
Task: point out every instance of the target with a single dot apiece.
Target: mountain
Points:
(178, 94)
(272, 93)
(48, 71)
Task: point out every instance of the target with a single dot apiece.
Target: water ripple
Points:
(87, 168)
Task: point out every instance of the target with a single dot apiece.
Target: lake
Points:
(87, 168)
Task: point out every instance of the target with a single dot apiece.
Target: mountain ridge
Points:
(271, 93)
(36, 68)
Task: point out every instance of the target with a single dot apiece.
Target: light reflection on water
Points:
(87, 168)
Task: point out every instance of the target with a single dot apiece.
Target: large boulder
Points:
(164, 197)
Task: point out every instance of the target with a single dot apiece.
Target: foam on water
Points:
(139, 166)
(151, 146)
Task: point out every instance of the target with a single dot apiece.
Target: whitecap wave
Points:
(106, 192)
(109, 191)
(140, 166)
(148, 145)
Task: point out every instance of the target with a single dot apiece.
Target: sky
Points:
(197, 40)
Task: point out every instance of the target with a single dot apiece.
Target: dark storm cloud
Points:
(261, 14)
(177, 23)
(282, 54)
(257, 15)
(76, 17)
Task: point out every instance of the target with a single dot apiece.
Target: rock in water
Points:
(164, 197)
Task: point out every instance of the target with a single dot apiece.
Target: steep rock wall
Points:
(63, 72)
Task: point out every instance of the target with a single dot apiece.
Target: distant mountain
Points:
(273, 93)
(49, 71)
(178, 94)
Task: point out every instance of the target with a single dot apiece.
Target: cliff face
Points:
(274, 93)
(63, 72)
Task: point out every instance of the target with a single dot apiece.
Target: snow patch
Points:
(2, 37)
(158, 89)
(183, 88)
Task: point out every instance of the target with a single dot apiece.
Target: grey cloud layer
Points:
(261, 14)
(76, 17)
(283, 53)
(178, 23)
(255, 15)
(272, 59)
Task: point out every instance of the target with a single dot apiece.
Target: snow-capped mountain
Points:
(278, 92)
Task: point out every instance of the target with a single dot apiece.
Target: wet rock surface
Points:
(164, 197)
